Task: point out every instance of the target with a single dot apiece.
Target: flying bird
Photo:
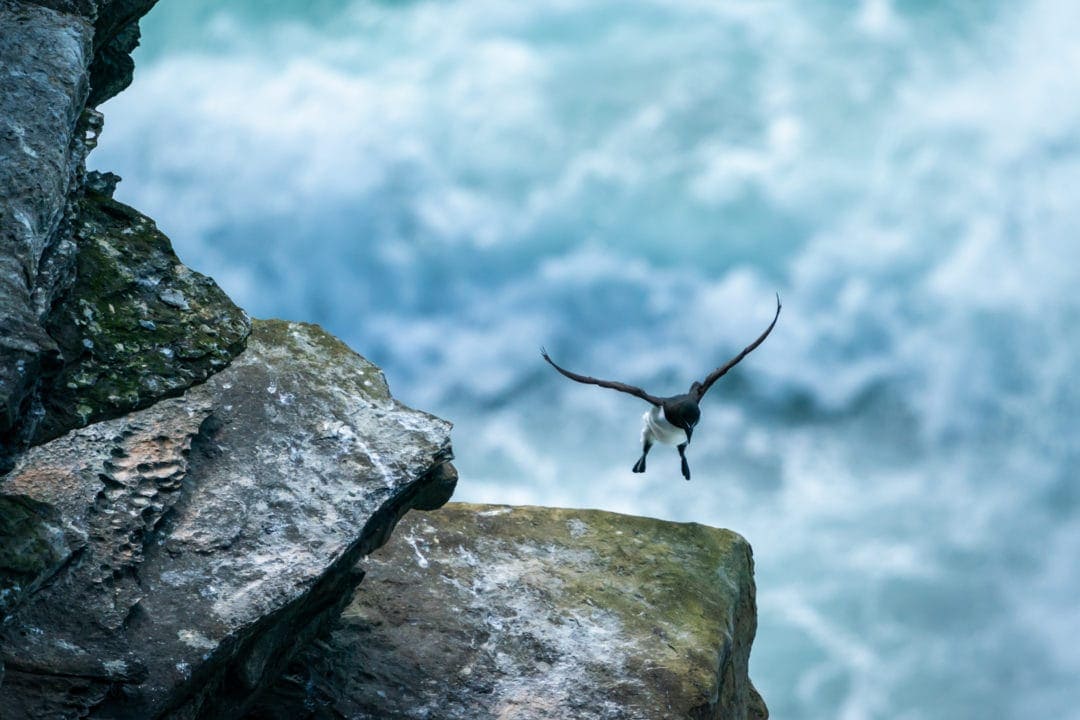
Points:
(670, 420)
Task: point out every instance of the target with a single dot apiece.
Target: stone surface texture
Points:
(170, 562)
(137, 325)
(476, 612)
(55, 56)
(44, 81)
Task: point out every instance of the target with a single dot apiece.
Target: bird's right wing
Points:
(701, 388)
(621, 387)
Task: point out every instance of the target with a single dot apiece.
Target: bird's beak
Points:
(689, 432)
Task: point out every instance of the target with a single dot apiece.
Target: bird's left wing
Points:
(621, 387)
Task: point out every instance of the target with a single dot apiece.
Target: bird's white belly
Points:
(658, 429)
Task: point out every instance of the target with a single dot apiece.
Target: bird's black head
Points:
(682, 412)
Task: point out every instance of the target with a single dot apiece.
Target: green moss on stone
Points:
(656, 579)
(137, 325)
(30, 546)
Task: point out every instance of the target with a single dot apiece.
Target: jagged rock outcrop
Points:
(477, 612)
(136, 326)
(55, 56)
(170, 562)
(116, 35)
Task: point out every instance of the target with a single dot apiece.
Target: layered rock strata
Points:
(478, 612)
(170, 562)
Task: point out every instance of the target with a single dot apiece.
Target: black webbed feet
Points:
(639, 466)
(685, 465)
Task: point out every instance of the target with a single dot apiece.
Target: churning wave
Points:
(449, 185)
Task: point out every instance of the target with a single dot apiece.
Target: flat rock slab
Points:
(476, 612)
(170, 562)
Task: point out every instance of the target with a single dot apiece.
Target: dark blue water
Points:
(449, 185)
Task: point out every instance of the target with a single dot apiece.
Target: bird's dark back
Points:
(681, 410)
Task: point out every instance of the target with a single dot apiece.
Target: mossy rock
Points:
(485, 612)
(137, 326)
(32, 546)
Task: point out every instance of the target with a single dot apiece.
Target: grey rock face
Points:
(44, 56)
(480, 612)
(54, 56)
(174, 559)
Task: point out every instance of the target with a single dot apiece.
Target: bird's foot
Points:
(685, 469)
(639, 466)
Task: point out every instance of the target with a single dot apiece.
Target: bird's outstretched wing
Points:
(699, 389)
(621, 387)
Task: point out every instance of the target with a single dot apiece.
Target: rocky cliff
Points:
(189, 499)
(58, 60)
(183, 551)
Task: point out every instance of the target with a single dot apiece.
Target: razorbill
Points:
(670, 420)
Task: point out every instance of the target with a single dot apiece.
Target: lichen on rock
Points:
(483, 612)
(137, 325)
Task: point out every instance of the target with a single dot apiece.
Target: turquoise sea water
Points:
(450, 185)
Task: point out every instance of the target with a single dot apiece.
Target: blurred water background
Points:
(447, 185)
